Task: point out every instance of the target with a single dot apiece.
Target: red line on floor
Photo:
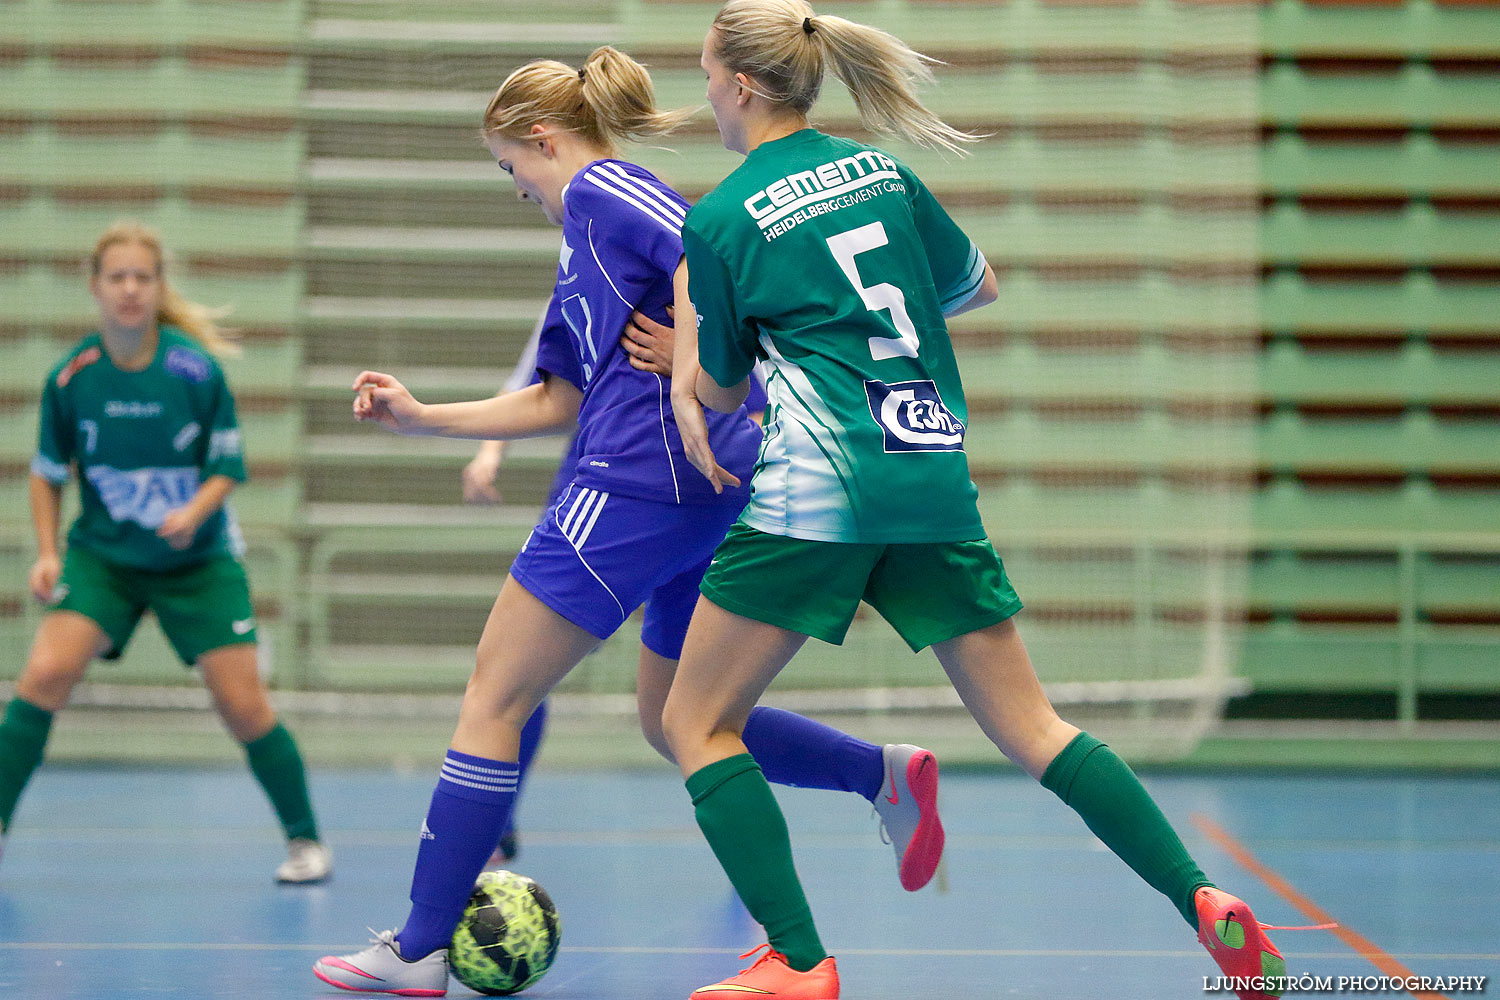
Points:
(1361, 944)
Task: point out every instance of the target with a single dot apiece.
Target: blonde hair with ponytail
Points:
(198, 321)
(609, 99)
(785, 48)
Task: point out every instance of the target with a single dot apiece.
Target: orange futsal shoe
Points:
(770, 976)
(1252, 966)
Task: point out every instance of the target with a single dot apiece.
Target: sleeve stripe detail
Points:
(661, 409)
(963, 290)
(670, 208)
(224, 444)
(55, 473)
(606, 184)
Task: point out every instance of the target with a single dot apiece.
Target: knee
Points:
(682, 729)
(651, 728)
(48, 680)
(490, 703)
(248, 716)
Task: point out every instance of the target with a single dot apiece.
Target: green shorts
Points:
(930, 592)
(200, 607)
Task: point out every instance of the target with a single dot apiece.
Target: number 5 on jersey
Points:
(845, 247)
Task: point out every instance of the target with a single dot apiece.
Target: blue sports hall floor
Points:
(126, 883)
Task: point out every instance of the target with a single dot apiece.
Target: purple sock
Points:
(794, 750)
(470, 806)
(531, 741)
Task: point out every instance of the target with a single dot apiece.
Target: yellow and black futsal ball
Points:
(507, 937)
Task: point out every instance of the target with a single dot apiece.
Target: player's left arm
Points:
(717, 369)
(987, 292)
(963, 278)
(222, 470)
(689, 388)
(180, 526)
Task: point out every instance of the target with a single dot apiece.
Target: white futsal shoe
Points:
(381, 969)
(307, 861)
(907, 805)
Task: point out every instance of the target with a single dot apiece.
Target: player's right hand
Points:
(479, 474)
(379, 397)
(648, 344)
(43, 578)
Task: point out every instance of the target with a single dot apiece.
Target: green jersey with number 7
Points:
(830, 261)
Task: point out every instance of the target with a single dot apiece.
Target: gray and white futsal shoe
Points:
(307, 861)
(907, 806)
(381, 969)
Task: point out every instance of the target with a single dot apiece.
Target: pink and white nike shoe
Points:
(907, 806)
(381, 969)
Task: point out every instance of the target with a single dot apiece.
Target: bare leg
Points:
(653, 679)
(727, 663)
(66, 642)
(992, 673)
(526, 649)
(232, 676)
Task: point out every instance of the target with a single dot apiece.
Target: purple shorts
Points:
(595, 557)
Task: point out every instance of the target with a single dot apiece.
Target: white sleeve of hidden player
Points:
(521, 375)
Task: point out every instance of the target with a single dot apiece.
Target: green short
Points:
(200, 607)
(930, 592)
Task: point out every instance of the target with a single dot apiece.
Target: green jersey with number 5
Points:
(831, 262)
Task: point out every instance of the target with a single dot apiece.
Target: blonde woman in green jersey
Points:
(141, 410)
(831, 262)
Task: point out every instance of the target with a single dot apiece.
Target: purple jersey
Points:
(622, 242)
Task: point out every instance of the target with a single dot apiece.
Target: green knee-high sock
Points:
(744, 826)
(1102, 789)
(277, 765)
(23, 738)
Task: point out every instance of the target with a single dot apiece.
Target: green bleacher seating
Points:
(351, 216)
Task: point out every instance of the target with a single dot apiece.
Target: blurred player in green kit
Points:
(142, 411)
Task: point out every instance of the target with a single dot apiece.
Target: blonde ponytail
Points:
(785, 48)
(610, 98)
(196, 320)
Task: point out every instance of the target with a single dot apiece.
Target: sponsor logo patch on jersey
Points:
(81, 361)
(913, 416)
(829, 187)
(132, 409)
(143, 495)
(823, 181)
(188, 364)
(186, 436)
